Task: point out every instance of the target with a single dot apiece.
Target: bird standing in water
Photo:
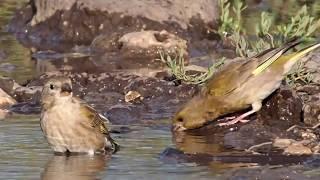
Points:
(242, 83)
(69, 124)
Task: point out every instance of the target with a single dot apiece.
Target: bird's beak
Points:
(178, 127)
(66, 89)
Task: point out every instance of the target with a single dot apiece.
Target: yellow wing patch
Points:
(267, 63)
(303, 52)
(291, 57)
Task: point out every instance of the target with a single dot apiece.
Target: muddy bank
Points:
(145, 98)
(158, 97)
(142, 95)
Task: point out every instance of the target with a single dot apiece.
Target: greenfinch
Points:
(69, 124)
(238, 85)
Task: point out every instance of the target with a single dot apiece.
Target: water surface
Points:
(24, 154)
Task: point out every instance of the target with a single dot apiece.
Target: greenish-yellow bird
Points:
(69, 124)
(242, 83)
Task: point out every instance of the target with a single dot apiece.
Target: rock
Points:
(103, 100)
(316, 149)
(280, 111)
(121, 114)
(249, 135)
(32, 93)
(149, 43)
(173, 156)
(160, 12)
(152, 39)
(311, 136)
(310, 93)
(113, 54)
(311, 100)
(112, 17)
(132, 95)
(26, 108)
(5, 102)
(8, 85)
(297, 149)
(283, 108)
(282, 143)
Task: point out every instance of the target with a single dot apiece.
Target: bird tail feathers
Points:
(296, 56)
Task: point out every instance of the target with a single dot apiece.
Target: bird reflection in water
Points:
(197, 143)
(77, 167)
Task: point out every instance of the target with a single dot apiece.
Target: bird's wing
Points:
(267, 57)
(95, 118)
(97, 122)
(233, 75)
(229, 77)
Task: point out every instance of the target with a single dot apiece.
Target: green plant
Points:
(301, 25)
(225, 19)
(299, 74)
(178, 70)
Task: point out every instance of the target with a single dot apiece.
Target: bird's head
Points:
(196, 113)
(56, 89)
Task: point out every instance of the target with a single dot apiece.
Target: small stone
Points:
(23, 94)
(311, 113)
(297, 149)
(308, 136)
(131, 96)
(316, 149)
(8, 85)
(5, 99)
(84, 75)
(282, 143)
(148, 44)
(5, 102)
(101, 26)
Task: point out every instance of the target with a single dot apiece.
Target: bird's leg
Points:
(229, 118)
(256, 106)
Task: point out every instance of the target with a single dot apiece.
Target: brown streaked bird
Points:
(69, 124)
(242, 83)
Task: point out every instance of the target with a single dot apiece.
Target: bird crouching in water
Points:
(240, 84)
(69, 124)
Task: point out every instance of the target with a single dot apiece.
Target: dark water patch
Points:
(177, 156)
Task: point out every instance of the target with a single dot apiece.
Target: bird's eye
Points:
(51, 86)
(180, 119)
